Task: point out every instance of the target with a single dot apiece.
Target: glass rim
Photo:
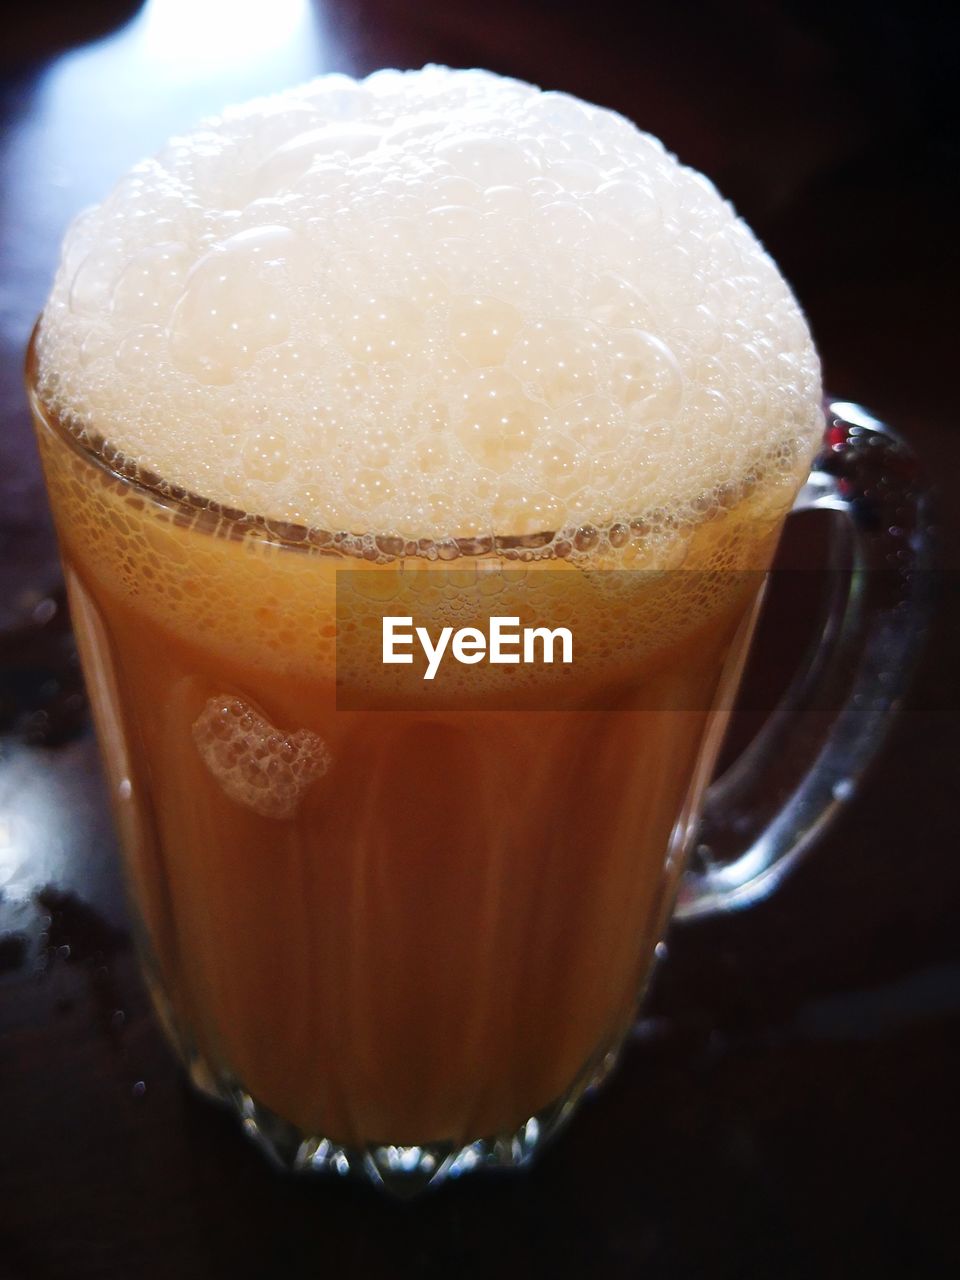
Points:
(219, 520)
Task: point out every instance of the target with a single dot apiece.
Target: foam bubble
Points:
(431, 304)
(259, 766)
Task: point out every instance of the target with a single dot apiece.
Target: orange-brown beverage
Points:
(403, 922)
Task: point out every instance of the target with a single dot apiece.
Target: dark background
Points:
(788, 1107)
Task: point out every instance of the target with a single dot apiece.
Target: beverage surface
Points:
(432, 304)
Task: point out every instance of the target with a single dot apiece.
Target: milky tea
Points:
(474, 350)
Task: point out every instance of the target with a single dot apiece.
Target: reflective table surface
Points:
(787, 1105)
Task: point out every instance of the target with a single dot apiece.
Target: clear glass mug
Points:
(403, 938)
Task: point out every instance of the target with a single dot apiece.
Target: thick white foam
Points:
(430, 303)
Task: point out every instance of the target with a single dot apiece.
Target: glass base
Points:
(402, 1171)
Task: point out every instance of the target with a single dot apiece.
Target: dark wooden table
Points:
(789, 1105)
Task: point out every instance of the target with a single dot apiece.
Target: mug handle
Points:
(773, 802)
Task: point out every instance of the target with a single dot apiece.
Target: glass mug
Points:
(403, 938)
